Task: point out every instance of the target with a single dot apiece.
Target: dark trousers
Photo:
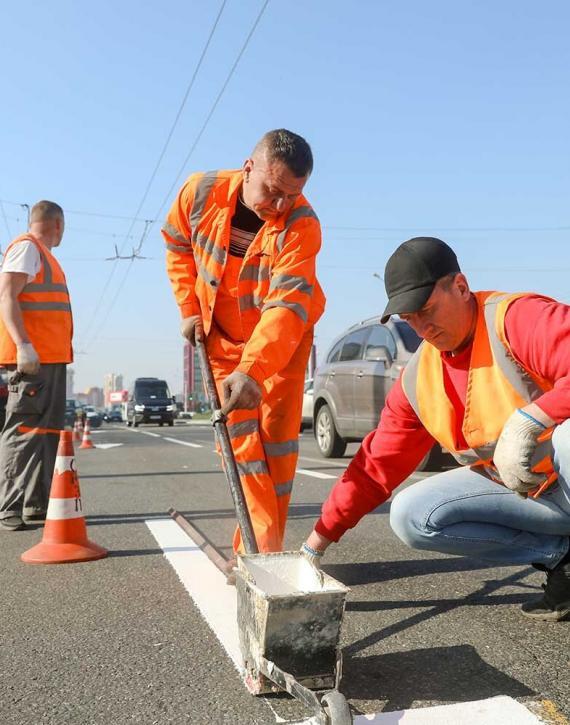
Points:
(35, 413)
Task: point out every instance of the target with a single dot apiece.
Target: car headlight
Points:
(139, 407)
(170, 408)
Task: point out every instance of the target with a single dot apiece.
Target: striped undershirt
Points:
(244, 227)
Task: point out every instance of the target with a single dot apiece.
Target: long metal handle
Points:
(230, 467)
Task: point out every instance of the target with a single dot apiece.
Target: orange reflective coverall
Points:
(277, 303)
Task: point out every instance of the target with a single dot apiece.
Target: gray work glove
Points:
(192, 329)
(240, 392)
(313, 556)
(27, 360)
(514, 451)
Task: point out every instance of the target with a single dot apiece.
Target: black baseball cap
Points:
(412, 272)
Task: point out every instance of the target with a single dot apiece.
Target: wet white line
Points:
(314, 474)
(204, 582)
(183, 443)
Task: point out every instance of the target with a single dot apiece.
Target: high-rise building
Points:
(112, 383)
(95, 397)
(193, 391)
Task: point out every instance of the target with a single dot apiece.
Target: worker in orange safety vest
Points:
(241, 251)
(490, 383)
(36, 329)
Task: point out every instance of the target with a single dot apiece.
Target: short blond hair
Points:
(45, 211)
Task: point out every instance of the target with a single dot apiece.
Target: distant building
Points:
(70, 375)
(113, 382)
(193, 391)
(95, 397)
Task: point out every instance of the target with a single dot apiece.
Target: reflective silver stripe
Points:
(282, 489)
(44, 287)
(244, 428)
(295, 307)
(289, 282)
(247, 467)
(299, 213)
(254, 272)
(515, 374)
(48, 272)
(210, 247)
(206, 276)
(177, 249)
(53, 306)
(249, 302)
(410, 380)
(200, 198)
(174, 234)
(281, 449)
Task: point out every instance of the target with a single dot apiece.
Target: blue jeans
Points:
(462, 512)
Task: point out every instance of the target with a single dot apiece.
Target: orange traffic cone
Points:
(76, 431)
(87, 442)
(65, 533)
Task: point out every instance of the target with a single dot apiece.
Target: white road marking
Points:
(144, 432)
(108, 445)
(217, 603)
(314, 474)
(323, 462)
(204, 582)
(183, 443)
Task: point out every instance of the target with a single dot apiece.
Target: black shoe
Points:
(12, 523)
(554, 604)
(37, 518)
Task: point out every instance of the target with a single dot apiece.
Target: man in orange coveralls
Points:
(241, 250)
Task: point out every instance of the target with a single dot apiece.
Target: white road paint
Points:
(183, 443)
(314, 474)
(204, 582)
(217, 603)
(106, 446)
(323, 462)
(144, 432)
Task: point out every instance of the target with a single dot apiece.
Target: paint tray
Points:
(289, 614)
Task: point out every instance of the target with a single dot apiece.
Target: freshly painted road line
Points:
(183, 443)
(108, 445)
(314, 474)
(204, 582)
(144, 432)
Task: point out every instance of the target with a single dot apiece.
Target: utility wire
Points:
(153, 174)
(211, 113)
(196, 140)
(6, 220)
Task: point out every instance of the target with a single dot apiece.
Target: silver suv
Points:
(351, 386)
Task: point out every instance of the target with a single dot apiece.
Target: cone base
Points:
(63, 553)
(88, 445)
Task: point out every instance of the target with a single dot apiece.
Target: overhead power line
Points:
(192, 148)
(119, 253)
(5, 220)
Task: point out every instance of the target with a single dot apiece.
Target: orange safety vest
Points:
(497, 384)
(46, 311)
(279, 296)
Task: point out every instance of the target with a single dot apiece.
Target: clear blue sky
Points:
(445, 118)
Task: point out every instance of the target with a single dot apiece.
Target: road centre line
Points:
(183, 443)
(314, 474)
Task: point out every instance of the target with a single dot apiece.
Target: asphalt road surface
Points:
(120, 640)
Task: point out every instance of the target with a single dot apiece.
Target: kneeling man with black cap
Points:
(491, 384)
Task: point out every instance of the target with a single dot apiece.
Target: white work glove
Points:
(313, 556)
(240, 392)
(27, 360)
(514, 451)
(192, 329)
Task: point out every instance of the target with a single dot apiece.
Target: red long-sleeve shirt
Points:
(538, 331)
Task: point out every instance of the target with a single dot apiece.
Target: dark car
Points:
(150, 401)
(113, 414)
(350, 388)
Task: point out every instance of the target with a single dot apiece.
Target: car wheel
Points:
(160, 424)
(128, 422)
(135, 424)
(329, 443)
(170, 423)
